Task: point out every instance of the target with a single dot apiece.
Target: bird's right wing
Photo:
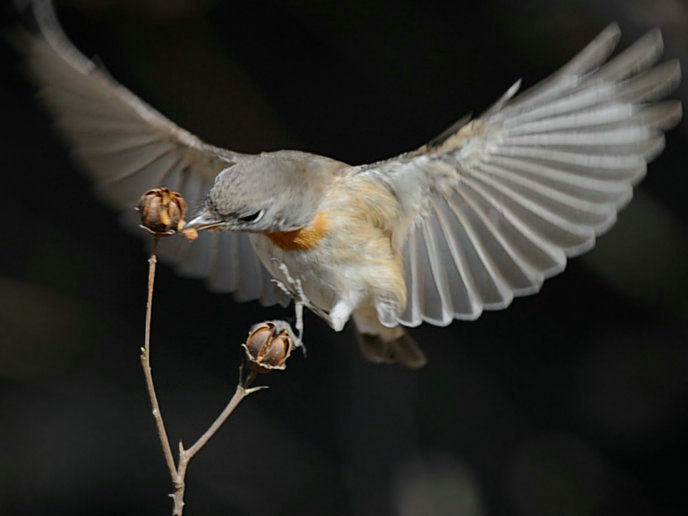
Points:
(128, 147)
(497, 205)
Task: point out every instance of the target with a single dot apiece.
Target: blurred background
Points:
(573, 402)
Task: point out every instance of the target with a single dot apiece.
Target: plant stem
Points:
(185, 455)
(178, 472)
(241, 392)
(145, 363)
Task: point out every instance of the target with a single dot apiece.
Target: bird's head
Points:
(278, 191)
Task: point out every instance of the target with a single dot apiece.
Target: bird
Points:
(483, 213)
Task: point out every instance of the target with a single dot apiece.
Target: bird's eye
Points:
(252, 218)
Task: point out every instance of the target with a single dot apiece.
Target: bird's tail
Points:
(381, 344)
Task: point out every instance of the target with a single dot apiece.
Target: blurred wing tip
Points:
(655, 35)
(469, 316)
(677, 115)
(674, 66)
(213, 288)
(583, 247)
(678, 73)
(530, 290)
(624, 199)
(501, 305)
(514, 88)
(611, 32)
(606, 41)
(606, 225)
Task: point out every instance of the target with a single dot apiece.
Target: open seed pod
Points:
(268, 346)
(162, 211)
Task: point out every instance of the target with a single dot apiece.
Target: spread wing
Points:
(499, 204)
(128, 147)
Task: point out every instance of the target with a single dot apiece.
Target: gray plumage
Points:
(282, 188)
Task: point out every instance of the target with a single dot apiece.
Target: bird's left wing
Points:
(496, 205)
(128, 147)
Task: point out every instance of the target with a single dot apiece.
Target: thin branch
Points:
(162, 208)
(185, 455)
(178, 472)
(145, 363)
(241, 392)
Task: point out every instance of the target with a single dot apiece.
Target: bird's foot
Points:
(292, 287)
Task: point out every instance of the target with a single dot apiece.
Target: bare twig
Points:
(178, 471)
(242, 390)
(145, 363)
(162, 214)
(185, 455)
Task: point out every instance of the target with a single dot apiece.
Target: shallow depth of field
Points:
(573, 402)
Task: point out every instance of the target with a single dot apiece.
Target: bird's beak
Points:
(203, 220)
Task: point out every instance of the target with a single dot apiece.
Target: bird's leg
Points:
(294, 289)
(336, 318)
(341, 311)
(339, 315)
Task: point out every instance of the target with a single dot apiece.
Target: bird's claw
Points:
(294, 289)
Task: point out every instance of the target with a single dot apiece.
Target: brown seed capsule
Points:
(162, 210)
(268, 346)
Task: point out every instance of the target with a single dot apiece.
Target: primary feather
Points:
(128, 147)
(501, 202)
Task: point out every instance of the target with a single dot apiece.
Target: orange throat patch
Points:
(304, 238)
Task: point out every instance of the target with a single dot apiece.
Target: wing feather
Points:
(443, 277)
(199, 259)
(459, 276)
(486, 285)
(501, 202)
(412, 315)
(128, 147)
(521, 257)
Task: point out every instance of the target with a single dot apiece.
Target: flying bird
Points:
(484, 212)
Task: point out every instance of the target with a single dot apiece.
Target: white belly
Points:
(323, 282)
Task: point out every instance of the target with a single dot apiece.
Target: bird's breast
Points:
(302, 239)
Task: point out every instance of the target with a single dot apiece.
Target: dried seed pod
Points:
(268, 346)
(162, 210)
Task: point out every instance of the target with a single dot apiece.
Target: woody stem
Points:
(242, 390)
(147, 372)
(185, 455)
(178, 472)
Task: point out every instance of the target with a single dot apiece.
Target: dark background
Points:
(570, 403)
